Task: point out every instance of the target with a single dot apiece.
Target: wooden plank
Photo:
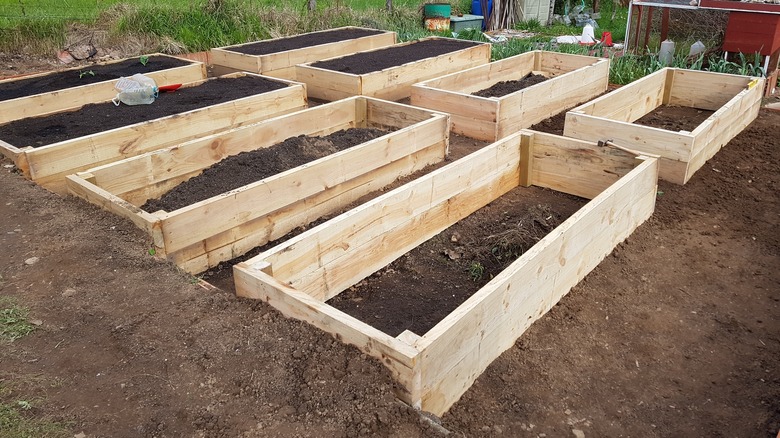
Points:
(238, 240)
(526, 158)
(398, 356)
(472, 116)
(478, 78)
(630, 102)
(149, 170)
(576, 167)
(668, 144)
(75, 97)
(459, 348)
(555, 63)
(201, 220)
(235, 60)
(310, 261)
(50, 164)
(705, 90)
(328, 84)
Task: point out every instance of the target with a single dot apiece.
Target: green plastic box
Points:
(467, 21)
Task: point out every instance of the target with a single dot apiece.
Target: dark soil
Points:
(367, 62)
(552, 125)
(93, 118)
(247, 167)
(674, 118)
(506, 87)
(301, 41)
(420, 288)
(74, 78)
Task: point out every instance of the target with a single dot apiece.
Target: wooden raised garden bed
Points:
(435, 368)
(49, 92)
(572, 79)
(47, 163)
(734, 99)
(223, 227)
(278, 57)
(389, 73)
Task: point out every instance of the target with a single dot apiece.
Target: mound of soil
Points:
(393, 56)
(674, 118)
(420, 288)
(506, 87)
(247, 167)
(301, 41)
(74, 78)
(99, 117)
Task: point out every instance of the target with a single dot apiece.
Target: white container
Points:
(135, 90)
(666, 54)
(696, 48)
(588, 36)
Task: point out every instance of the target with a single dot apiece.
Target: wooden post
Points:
(389, 5)
(526, 159)
(647, 27)
(664, 23)
(312, 5)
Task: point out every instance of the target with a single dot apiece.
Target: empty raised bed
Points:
(47, 148)
(734, 100)
(225, 226)
(388, 73)
(435, 368)
(278, 57)
(49, 92)
(570, 80)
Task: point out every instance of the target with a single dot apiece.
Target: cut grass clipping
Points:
(14, 322)
(18, 418)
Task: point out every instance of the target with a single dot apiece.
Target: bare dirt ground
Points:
(675, 334)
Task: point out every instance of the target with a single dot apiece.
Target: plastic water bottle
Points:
(666, 54)
(135, 90)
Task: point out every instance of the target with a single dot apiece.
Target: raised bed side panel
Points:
(328, 84)
(321, 261)
(75, 97)
(150, 175)
(575, 166)
(195, 223)
(705, 90)
(478, 78)
(556, 63)
(630, 102)
(725, 124)
(533, 104)
(458, 349)
(282, 64)
(396, 83)
(472, 116)
(48, 165)
(252, 281)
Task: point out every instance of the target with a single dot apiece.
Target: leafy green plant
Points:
(86, 73)
(476, 271)
(144, 59)
(152, 251)
(14, 323)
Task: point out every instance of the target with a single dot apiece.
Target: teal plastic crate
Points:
(467, 21)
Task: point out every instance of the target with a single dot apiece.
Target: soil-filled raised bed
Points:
(389, 73)
(734, 99)
(278, 57)
(49, 92)
(435, 368)
(496, 113)
(48, 148)
(201, 235)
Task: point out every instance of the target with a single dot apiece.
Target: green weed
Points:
(14, 323)
(476, 271)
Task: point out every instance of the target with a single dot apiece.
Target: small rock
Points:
(65, 57)
(455, 237)
(8, 166)
(297, 354)
(485, 428)
(69, 293)
(578, 433)
(36, 322)
(31, 261)
(567, 412)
